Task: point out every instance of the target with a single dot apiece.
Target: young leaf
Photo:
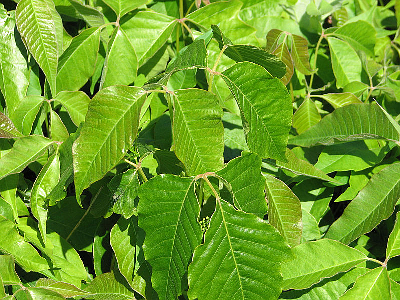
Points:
(25, 114)
(345, 62)
(39, 25)
(109, 286)
(198, 131)
(120, 66)
(348, 123)
(78, 61)
(316, 260)
(340, 99)
(121, 7)
(266, 108)
(24, 151)
(168, 212)
(44, 184)
(273, 39)
(282, 52)
(109, 130)
(284, 210)
(393, 245)
(58, 131)
(24, 253)
(374, 203)
(7, 271)
(7, 128)
(306, 116)
(240, 258)
(76, 103)
(14, 74)
(300, 55)
(373, 285)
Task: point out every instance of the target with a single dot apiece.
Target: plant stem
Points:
(211, 79)
(211, 186)
(316, 57)
(138, 167)
(376, 261)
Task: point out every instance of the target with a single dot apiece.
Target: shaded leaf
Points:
(7, 128)
(26, 112)
(76, 103)
(393, 245)
(89, 14)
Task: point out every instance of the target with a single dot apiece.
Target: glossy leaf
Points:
(110, 128)
(14, 74)
(300, 55)
(58, 131)
(11, 242)
(198, 131)
(348, 123)
(340, 99)
(266, 108)
(109, 286)
(169, 250)
(7, 128)
(373, 285)
(393, 246)
(245, 182)
(76, 103)
(24, 151)
(306, 116)
(26, 112)
(65, 289)
(317, 260)
(76, 65)
(284, 210)
(39, 25)
(121, 7)
(44, 184)
(374, 203)
(40, 293)
(7, 271)
(240, 258)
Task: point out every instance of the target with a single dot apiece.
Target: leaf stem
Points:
(204, 176)
(377, 261)
(215, 68)
(316, 57)
(138, 167)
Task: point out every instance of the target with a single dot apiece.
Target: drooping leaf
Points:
(76, 103)
(109, 130)
(24, 151)
(7, 128)
(348, 123)
(374, 203)
(198, 131)
(273, 39)
(240, 258)
(44, 184)
(266, 108)
(39, 25)
(316, 260)
(120, 66)
(7, 270)
(393, 245)
(373, 285)
(14, 74)
(168, 212)
(282, 52)
(300, 55)
(11, 242)
(306, 116)
(148, 31)
(25, 114)
(284, 210)
(346, 64)
(121, 7)
(243, 175)
(89, 14)
(76, 65)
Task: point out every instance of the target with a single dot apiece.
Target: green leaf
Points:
(14, 74)
(168, 212)
(310, 230)
(340, 99)
(345, 62)
(240, 258)
(284, 210)
(374, 203)
(39, 25)
(120, 66)
(40, 293)
(282, 52)
(90, 15)
(7, 128)
(198, 131)
(306, 116)
(76, 65)
(109, 130)
(393, 245)
(373, 285)
(44, 184)
(148, 31)
(357, 181)
(317, 260)
(300, 55)
(7, 271)
(245, 182)
(65, 289)
(24, 151)
(266, 108)
(8, 190)
(361, 35)
(26, 112)
(76, 103)
(240, 53)
(58, 131)
(121, 7)
(23, 253)
(126, 240)
(124, 189)
(348, 123)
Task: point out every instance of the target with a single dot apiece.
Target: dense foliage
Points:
(199, 149)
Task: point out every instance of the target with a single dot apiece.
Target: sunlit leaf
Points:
(7, 270)
(109, 286)
(300, 55)
(7, 128)
(393, 246)
(340, 99)
(65, 289)
(26, 112)
(306, 116)
(121, 7)
(76, 103)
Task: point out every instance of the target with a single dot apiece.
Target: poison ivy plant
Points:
(199, 149)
